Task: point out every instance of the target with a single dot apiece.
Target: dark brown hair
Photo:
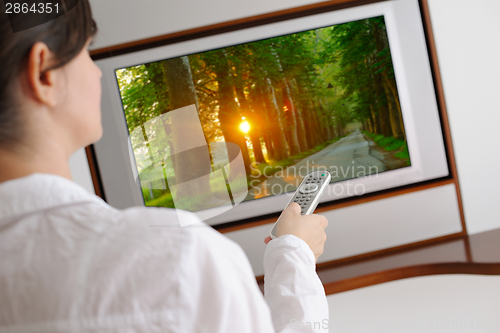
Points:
(65, 36)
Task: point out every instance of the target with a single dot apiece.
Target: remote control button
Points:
(308, 188)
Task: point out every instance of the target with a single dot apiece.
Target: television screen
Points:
(321, 99)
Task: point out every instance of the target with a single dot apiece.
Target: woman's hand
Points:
(309, 228)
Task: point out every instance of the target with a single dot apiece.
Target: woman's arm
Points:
(292, 288)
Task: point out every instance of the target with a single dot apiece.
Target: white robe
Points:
(70, 262)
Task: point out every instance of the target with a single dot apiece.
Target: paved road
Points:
(345, 159)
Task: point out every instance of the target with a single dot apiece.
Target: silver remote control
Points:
(308, 193)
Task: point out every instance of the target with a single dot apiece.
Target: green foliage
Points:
(162, 198)
(144, 93)
(353, 46)
(391, 144)
(404, 154)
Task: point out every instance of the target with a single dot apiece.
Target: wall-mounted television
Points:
(349, 91)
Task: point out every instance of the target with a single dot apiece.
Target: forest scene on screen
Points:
(320, 99)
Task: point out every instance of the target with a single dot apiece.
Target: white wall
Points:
(80, 171)
(468, 43)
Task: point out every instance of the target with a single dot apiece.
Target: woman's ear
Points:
(42, 83)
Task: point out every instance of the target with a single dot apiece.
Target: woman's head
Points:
(47, 80)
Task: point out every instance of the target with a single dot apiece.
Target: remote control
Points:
(308, 193)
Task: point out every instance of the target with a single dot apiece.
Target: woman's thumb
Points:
(293, 208)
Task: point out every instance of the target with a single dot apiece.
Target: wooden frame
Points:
(281, 16)
(285, 15)
(218, 28)
(461, 254)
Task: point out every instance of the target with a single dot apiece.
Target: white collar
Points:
(38, 192)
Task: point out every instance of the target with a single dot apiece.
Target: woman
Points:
(70, 262)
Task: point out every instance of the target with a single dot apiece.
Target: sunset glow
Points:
(245, 126)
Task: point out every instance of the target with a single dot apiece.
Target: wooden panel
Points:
(94, 172)
(438, 87)
(437, 257)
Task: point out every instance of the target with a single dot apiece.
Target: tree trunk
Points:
(385, 121)
(376, 121)
(290, 121)
(319, 128)
(397, 132)
(339, 130)
(252, 118)
(370, 125)
(259, 107)
(324, 122)
(301, 129)
(308, 119)
(278, 135)
(229, 115)
(377, 103)
(150, 151)
(288, 108)
(396, 116)
(181, 93)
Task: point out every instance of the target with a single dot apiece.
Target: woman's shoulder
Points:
(182, 228)
(164, 228)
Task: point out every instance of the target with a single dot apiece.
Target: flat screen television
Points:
(348, 91)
